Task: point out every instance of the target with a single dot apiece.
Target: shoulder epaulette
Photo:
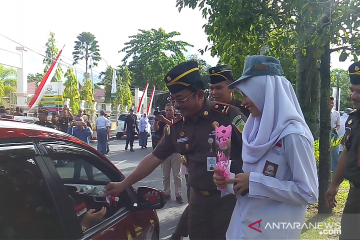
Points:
(222, 108)
(353, 111)
(176, 120)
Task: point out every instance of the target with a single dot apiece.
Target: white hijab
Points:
(281, 115)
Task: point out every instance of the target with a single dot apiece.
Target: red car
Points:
(40, 201)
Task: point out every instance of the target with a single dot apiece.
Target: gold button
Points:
(215, 124)
(183, 159)
(187, 146)
(206, 113)
(182, 134)
(347, 137)
(350, 122)
(216, 106)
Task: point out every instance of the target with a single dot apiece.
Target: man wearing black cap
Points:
(43, 114)
(348, 166)
(220, 78)
(193, 137)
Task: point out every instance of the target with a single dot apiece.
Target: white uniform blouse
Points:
(281, 186)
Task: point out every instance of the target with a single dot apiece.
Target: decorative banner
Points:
(142, 98)
(113, 85)
(43, 85)
(150, 101)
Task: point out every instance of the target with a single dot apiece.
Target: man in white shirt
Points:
(103, 132)
(335, 125)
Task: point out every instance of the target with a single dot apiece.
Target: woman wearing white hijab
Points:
(278, 159)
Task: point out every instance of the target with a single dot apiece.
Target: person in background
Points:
(143, 134)
(43, 115)
(35, 114)
(18, 112)
(103, 132)
(55, 119)
(129, 126)
(86, 119)
(3, 113)
(335, 125)
(65, 119)
(279, 178)
(80, 130)
(220, 78)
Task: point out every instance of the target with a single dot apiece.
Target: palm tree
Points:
(86, 48)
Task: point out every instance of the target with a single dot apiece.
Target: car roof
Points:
(18, 129)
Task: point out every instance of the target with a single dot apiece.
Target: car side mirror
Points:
(150, 198)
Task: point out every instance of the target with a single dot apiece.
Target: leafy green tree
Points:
(37, 77)
(344, 81)
(51, 53)
(8, 82)
(107, 82)
(124, 96)
(86, 47)
(153, 54)
(71, 90)
(87, 93)
(203, 67)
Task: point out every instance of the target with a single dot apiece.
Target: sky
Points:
(111, 21)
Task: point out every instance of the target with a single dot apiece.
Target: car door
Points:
(88, 170)
(28, 209)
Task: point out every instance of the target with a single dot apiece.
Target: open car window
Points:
(27, 210)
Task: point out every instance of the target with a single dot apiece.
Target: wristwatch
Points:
(83, 228)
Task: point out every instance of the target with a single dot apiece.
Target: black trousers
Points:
(130, 137)
(350, 220)
(88, 170)
(182, 227)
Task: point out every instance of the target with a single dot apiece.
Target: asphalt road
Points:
(126, 161)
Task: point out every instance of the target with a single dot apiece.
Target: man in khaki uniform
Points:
(220, 78)
(348, 166)
(192, 137)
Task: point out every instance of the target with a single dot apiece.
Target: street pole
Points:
(338, 93)
(92, 79)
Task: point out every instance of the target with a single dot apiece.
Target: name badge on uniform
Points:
(211, 163)
(270, 169)
(181, 140)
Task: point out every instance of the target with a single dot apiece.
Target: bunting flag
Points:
(150, 101)
(142, 98)
(46, 80)
(113, 85)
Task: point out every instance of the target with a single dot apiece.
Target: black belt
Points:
(354, 185)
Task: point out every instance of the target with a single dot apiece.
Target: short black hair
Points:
(169, 105)
(332, 98)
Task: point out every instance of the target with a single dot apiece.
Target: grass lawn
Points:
(311, 215)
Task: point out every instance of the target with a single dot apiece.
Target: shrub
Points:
(333, 143)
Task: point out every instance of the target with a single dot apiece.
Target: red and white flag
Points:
(46, 80)
(142, 98)
(150, 101)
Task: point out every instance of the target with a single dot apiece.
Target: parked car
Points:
(40, 201)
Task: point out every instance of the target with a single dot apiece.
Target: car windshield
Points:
(122, 117)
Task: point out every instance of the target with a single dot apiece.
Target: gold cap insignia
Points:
(215, 124)
(216, 106)
(357, 68)
(182, 134)
(168, 78)
(350, 122)
(213, 71)
(187, 146)
(206, 113)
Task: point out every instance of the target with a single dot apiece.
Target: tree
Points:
(345, 101)
(71, 90)
(305, 28)
(37, 77)
(153, 55)
(87, 93)
(124, 96)
(51, 53)
(86, 48)
(107, 82)
(8, 82)
(203, 67)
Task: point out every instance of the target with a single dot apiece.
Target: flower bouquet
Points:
(223, 147)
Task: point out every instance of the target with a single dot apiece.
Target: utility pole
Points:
(338, 93)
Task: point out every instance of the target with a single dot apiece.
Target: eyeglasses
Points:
(180, 101)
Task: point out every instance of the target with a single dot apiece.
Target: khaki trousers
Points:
(173, 164)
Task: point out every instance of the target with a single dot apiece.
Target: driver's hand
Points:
(91, 218)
